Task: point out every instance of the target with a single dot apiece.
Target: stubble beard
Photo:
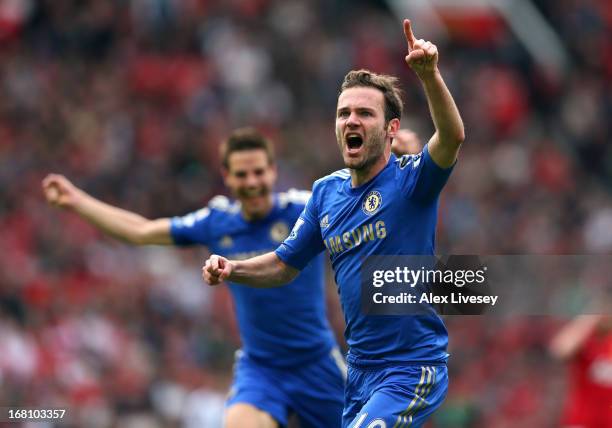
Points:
(374, 148)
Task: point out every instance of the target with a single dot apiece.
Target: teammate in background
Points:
(289, 360)
(406, 142)
(586, 343)
(379, 205)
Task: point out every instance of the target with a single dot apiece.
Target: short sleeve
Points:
(305, 241)
(192, 228)
(420, 177)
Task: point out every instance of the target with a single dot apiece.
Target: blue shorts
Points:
(314, 391)
(386, 395)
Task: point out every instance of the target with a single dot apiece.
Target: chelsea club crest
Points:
(279, 231)
(371, 203)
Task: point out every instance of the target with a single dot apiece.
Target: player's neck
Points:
(361, 176)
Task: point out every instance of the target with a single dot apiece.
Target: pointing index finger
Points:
(409, 36)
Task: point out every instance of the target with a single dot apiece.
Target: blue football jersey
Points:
(395, 213)
(280, 326)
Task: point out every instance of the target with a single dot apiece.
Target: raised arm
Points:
(263, 271)
(119, 223)
(568, 341)
(423, 59)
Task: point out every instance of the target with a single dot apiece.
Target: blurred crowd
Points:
(130, 100)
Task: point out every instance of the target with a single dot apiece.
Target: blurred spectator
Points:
(586, 343)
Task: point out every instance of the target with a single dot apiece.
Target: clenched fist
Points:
(59, 191)
(216, 270)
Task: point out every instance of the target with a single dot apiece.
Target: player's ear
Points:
(392, 127)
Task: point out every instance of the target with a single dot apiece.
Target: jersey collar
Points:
(355, 191)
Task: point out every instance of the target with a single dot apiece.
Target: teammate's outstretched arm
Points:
(263, 271)
(423, 60)
(117, 222)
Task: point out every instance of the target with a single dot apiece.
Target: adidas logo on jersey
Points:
(324, 222)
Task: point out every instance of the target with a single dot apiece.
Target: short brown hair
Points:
(388, 85)
(245, 139)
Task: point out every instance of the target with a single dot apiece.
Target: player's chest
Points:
(354, 221)
(243, 241)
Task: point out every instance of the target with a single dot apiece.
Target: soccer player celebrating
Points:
(379, 205)
(289, 360)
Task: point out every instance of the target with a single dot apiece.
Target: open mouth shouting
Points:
(354, 143)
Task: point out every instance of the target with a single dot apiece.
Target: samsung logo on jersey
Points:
(355, 237)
